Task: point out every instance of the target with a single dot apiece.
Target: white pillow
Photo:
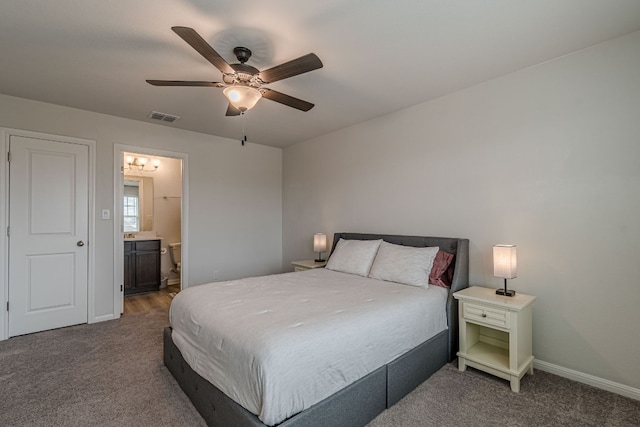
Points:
(404, 264)
(353, 256)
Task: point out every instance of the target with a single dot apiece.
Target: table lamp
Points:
(505, 264)
(319, 245)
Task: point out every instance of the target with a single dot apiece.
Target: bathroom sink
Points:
(142, 235)
(134, 239)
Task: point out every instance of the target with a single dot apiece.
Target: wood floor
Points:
(143, 303)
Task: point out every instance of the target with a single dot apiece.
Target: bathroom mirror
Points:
(138, 204)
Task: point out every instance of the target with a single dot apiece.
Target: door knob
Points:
(80, 243)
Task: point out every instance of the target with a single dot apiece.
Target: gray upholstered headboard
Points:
(458, 247)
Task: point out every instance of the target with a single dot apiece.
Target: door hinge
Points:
(9, 156)
(121, 288)
(7, 305)
(8, 231)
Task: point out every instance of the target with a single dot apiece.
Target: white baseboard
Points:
(102, 318)
(173, 282)
(591, 380)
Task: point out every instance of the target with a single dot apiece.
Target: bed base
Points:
(355, 405)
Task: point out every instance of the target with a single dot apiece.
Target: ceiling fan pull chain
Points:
(244, 128)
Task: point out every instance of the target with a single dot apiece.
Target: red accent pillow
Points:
(442, 270)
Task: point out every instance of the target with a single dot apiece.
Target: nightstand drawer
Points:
(486, 315)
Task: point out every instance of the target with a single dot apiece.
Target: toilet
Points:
(174, 253)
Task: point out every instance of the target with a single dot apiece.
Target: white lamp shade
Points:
(242, 97)
(319, 242)
(505, 261)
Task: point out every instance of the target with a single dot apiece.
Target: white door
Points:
(48, 223)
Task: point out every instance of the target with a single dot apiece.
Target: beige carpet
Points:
(473, 398)
(111, 374)
(105, 374)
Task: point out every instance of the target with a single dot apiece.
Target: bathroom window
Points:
(131, 207)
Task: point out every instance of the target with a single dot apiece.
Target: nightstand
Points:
(495, 333)
(307, 264)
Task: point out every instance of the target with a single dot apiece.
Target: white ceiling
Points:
(379, 56)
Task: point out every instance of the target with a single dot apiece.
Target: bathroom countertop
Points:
(141, 239)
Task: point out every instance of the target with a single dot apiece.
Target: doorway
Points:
(150, 228)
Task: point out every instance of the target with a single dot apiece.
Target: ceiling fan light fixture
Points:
(242, 97)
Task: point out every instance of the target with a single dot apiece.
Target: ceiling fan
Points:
(242, 84)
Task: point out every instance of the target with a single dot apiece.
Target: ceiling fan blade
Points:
(301, 65)
(183, 83)
(199, 44)
(232, 111)
(287, 100)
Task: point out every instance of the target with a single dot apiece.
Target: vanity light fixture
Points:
(319, 245)
(505, 265)
(139, 163)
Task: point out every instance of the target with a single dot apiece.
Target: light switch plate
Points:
(106, 214)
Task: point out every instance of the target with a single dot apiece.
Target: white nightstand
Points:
(495, 333)
(307, 264)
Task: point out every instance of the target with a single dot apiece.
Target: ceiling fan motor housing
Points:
(243, 74)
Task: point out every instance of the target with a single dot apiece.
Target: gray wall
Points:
(545, 158)
(235, 192)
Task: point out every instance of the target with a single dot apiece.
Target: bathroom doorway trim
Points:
(118, 185)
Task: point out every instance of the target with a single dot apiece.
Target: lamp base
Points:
(505, 292)
(318, 260)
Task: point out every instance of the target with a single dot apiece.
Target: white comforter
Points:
(279, 344)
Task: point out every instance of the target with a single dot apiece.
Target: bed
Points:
(364, 394)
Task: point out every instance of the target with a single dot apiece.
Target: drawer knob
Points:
(484, 314)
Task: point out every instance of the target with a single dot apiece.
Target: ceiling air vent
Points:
(163, 117)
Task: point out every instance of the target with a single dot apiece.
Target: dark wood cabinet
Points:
(141, 266)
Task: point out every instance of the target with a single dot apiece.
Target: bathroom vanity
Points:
(141, 265)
